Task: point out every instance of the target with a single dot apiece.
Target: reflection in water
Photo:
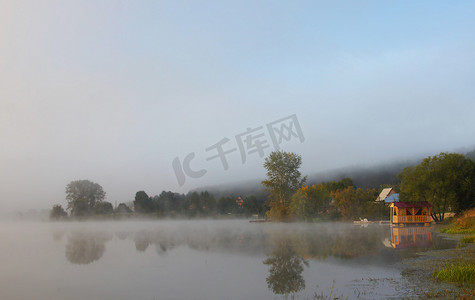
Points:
(58, 235)
(411, 237)
(285, 272)
(85, 247)
(142, 241)
(283, 251)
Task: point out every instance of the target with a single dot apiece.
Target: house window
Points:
(419, 212)
(395, 211)
(408, 212)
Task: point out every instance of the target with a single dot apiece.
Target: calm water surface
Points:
(206, 260)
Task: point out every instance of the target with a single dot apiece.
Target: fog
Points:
(114, 92)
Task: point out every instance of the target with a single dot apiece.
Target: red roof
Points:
(412, 204)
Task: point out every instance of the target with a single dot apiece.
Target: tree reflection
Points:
(285, 273)
(84, 247)
(142, 241)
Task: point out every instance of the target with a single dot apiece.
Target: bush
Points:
(103, 208)
(57, 213)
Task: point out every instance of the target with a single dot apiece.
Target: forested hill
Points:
(471, 155)
(363, 177)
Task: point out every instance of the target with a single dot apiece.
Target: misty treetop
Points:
(83, 196)
(85, 190)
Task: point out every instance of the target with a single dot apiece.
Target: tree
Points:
(168, 203)
(226, 205)
(57, 212)
(82, 196)
(283, 180)
(339, 185)
(103, 208)
(251, 206)
(143, 203)
(446, 181)
(123, 208)
(208, 203)
(308, 202)
(354, 203)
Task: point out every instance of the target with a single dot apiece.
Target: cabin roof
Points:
(392, 198)
(413, 204)
(384, 193)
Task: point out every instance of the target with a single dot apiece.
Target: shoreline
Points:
(418, 271)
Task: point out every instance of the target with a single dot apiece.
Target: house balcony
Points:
(411, 219)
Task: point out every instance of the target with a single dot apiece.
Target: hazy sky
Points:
(114, 91)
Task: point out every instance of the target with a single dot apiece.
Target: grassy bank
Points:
(449, 273)
(460, 270)
(464, 224)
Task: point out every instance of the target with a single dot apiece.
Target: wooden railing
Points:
(411, 219)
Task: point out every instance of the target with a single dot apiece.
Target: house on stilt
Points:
(403, 213)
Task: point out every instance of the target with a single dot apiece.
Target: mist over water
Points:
(206, 259)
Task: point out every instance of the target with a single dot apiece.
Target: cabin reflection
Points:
(411, 237)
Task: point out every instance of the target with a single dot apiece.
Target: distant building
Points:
(386, 193)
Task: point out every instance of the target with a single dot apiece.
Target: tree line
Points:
(446, 181)
(87, 199)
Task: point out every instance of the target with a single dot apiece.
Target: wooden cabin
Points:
(410, 213)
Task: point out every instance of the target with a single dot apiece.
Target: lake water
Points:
(231, 259)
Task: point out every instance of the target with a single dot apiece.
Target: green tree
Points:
(446, 181)
(309, 202)
(57, 212)
(354, 203)
(123, 208)
(82, 196)
(283, 180)
(251, 206)
(103, 208)
(170, 203)
(208, 203)
(226, 205)
(142, 203)
(338, 185)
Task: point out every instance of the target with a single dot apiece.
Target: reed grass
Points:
(462, 273)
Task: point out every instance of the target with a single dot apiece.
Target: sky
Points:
(142, 95)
